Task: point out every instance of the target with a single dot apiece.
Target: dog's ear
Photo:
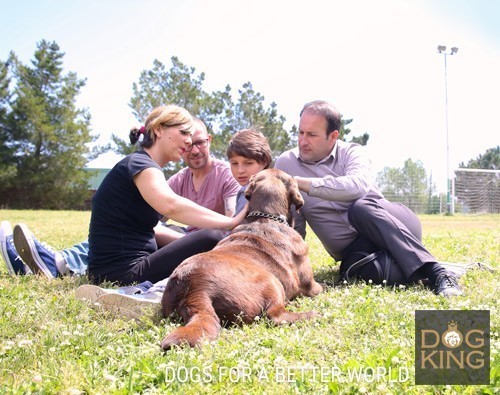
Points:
(250, 188)
(295, 196)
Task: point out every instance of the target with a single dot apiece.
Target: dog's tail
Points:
(203, 324)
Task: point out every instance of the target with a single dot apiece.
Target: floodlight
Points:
(450, 207)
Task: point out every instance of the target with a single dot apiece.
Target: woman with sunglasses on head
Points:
(135, 195)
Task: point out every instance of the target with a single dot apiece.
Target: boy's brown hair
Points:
(251, 144)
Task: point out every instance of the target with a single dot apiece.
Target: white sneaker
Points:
(38, 256)
(15, 264)
(91, 292)
(131, 306)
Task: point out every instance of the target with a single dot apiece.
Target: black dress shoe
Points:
(447, 285)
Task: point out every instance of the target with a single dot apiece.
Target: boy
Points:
(248, 153)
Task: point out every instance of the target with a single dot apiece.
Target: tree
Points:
(181, 85)
(46, 135)
(407, 185)
(345, 131)
(223, 116)
(178, 85)
(250, 112)
(8, 170)
(490, 160)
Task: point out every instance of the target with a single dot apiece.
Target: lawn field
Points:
(363, 340)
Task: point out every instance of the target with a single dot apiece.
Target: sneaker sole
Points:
(129, 306)
(27, 250)
(5, 256)
(4, 230)
(91, 292)
(3, 251)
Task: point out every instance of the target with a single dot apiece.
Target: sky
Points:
(376, 61)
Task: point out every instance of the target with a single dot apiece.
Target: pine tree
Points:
(183, 86)
(8, 170)
(489, 160)
(223, 116)
(47, 135)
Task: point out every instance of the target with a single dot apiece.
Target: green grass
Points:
(51, 342)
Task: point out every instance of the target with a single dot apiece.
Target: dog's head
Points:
(273, 191)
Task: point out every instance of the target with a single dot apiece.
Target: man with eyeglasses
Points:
(206, 180)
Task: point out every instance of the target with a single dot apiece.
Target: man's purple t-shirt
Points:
(217, 187)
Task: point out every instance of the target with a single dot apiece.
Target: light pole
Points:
(449, 205)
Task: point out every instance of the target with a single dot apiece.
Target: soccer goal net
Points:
(477, 191)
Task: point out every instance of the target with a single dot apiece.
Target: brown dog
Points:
(258, 268)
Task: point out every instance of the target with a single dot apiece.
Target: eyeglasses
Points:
(199, 144)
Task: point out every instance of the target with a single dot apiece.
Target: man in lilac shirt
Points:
(206, 180)
(345, 209)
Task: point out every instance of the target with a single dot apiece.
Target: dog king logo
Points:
(452, 347)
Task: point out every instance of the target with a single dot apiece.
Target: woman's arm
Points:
(156, 192)
(230, 205)
(164, 235)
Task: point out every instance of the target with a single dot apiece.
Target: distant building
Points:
(97, 177)
(94, 182)
(99, 168)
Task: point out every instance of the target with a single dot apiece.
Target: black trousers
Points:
(161, 263)
(393, 227)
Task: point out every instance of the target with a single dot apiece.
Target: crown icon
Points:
(452, 325)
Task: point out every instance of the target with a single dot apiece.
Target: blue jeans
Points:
(77, 257)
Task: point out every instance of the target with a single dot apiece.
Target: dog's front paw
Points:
(176, 339)
(315, 289)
